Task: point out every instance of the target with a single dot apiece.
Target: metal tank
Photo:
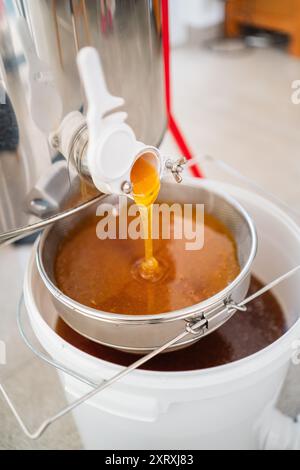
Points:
(39, 86)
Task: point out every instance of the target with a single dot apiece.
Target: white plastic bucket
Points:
(217, 408)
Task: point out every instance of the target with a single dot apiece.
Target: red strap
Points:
(173, 127)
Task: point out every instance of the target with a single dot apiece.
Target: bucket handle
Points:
(230, 170)
(195, 327)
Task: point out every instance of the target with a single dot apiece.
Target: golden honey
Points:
(99, 274)
(146, 186)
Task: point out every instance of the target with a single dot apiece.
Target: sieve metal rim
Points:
(124, 319)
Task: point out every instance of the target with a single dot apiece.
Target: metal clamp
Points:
(197, 326)
(176, 168)
(233, 306)
(193, 327)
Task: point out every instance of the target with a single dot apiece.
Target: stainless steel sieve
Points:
(144, 333)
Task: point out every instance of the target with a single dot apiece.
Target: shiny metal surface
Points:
(39, 85)
(143, 333)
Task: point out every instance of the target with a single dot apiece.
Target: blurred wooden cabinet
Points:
(278, 15)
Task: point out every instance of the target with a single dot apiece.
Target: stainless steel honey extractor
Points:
(40, 85)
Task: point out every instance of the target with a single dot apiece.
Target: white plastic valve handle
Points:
(112, 146)
(100, 101)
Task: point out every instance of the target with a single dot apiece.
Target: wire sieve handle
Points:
(196, 327)
(7, 238)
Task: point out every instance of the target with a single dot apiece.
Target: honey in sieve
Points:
(99, 273)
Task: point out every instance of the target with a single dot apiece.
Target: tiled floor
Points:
(236, 108)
